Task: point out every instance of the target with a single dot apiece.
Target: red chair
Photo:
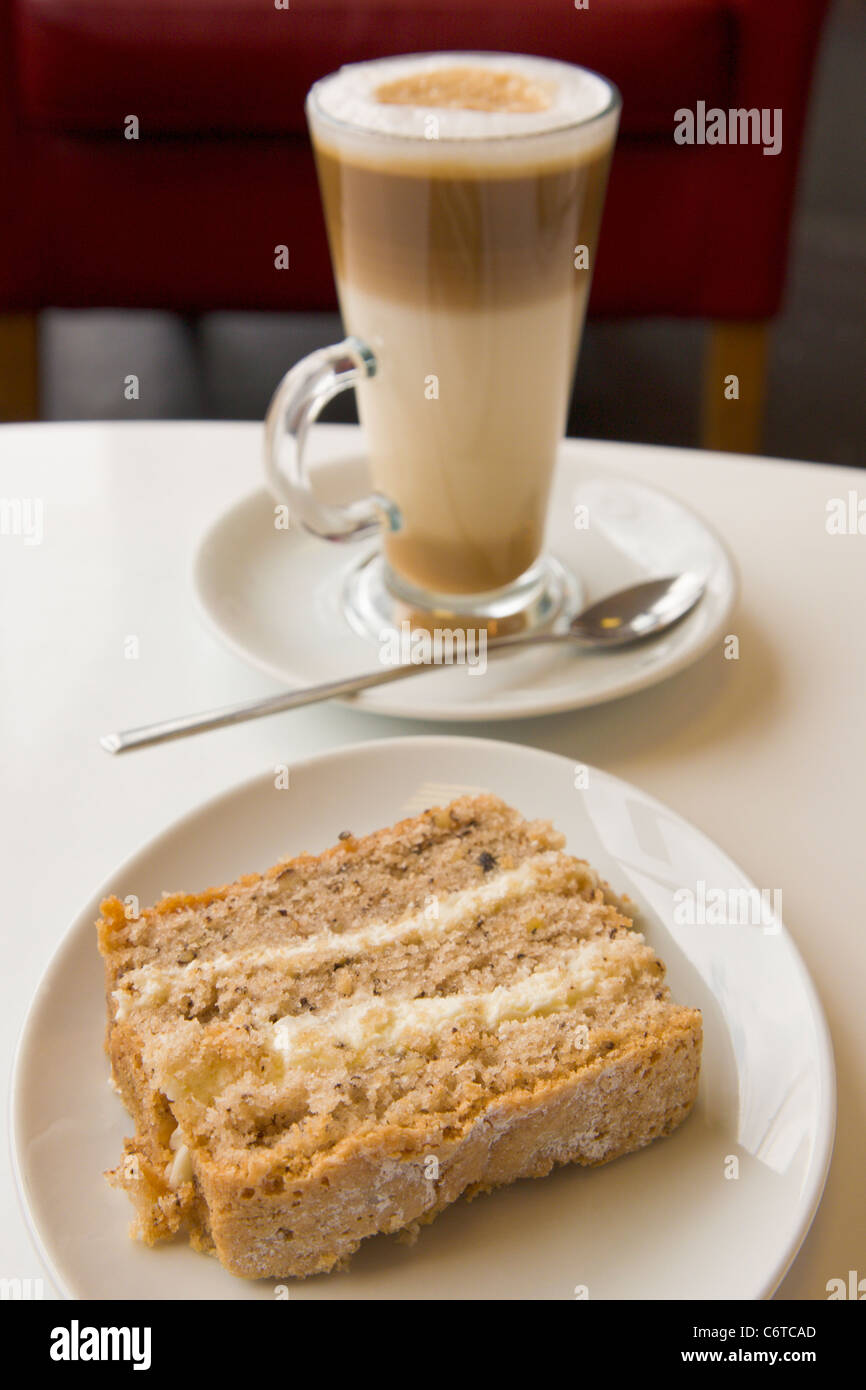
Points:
(186, 216)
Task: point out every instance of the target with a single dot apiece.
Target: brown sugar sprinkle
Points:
(466, 89)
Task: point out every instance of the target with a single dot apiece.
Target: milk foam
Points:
(343, 107)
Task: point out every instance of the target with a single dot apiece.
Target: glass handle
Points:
(300, 397)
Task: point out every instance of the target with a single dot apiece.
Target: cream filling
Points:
(600, 967)
(150, 985)
(351, 1036)
(180, 1169)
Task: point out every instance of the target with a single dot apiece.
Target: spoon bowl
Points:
(637, 612)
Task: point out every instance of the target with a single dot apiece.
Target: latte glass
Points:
(462, 195)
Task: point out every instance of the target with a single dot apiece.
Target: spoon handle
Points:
(147, 734)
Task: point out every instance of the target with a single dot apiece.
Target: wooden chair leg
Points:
(19, 367)
(734, 386)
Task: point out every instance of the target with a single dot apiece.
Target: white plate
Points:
(274, 596)
(663, 1223)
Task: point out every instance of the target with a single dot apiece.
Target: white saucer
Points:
(674, 1221)
(273, 596)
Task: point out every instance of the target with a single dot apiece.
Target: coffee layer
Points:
(462, 421)
(441, 238)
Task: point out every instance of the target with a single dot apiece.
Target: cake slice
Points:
(347, 1043)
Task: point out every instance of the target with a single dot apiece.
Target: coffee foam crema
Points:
(456, 98)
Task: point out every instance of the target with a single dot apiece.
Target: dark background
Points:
(638, 380)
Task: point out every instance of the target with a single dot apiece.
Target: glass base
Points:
(375, 599)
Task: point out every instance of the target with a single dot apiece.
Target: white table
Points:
(766, 754)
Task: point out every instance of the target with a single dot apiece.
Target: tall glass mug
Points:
(463, 194)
